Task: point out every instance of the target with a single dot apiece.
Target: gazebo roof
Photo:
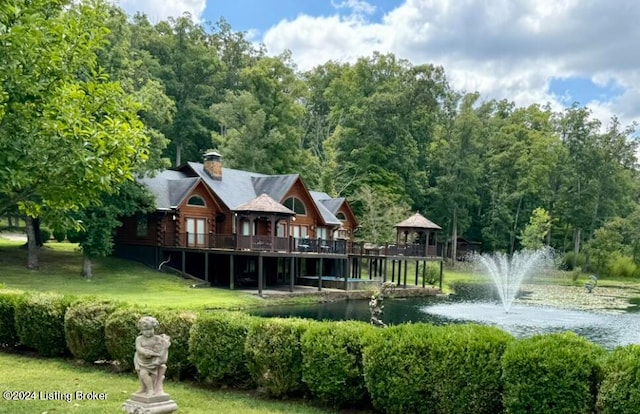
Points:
(418, 221)
(264, 204)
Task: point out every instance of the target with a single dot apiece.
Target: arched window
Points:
(196, 201)
(295, 204)
(341, 216)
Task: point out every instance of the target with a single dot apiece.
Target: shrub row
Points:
(412, 368)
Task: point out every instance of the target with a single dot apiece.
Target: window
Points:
(281, 230)
(300, 231)
(142, 228)
(246, 228)
(196, 201)
(322, 233)
(295, 204)
(196, 231)
(340, 216)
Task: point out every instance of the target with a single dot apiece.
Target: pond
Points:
(608, 330)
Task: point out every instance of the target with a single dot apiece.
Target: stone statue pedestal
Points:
(155, 404)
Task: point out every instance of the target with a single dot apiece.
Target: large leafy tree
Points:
(384, 110)
(455, 167)
(67, 133)
(260, 126)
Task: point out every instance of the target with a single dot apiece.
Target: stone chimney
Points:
(213, 165)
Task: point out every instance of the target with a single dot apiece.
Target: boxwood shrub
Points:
(217, 347)
(84, 326)
(466, 368)
(8, 333)
(555, 373)
(619, 391)
(177, 324)
(121, 331)
(274, 355)
(397, 369)
(332, 362)
(40, 323)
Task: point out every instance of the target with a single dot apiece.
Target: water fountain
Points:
(609, 328)
(508, 273)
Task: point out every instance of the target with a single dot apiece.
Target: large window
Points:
(298, 231)
(196, 231)
(295, 204)
(281, 230)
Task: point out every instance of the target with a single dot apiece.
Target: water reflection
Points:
(522, 320)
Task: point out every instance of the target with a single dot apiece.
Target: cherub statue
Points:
(150, 359)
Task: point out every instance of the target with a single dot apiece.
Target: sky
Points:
(525, 51)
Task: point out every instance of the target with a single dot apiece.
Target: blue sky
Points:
(526, 51)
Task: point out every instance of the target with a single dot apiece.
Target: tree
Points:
(378, 214)
(455, 166)
(99, 222)
(534, 234)
(260, 125)
(67, 133)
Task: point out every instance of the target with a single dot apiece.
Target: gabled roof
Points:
(327, 214)
(169, 188)
(236, 190)
(418, 221)
(264, 204)
(276, 186)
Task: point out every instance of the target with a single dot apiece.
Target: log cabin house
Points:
(237, 228)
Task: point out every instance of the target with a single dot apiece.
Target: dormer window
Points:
(295, 204)
(196, 201)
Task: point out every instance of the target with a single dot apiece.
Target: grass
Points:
(66, 378)
(116, 279)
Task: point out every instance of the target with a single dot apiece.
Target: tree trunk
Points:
(515, 226)
(178, 155)
(454, 238)
(87, 271)
(38, 234)
(576, 242)
(33, 261)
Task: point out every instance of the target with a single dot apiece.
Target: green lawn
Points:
(117, 279)
(60, 379)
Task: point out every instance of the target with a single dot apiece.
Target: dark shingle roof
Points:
(328, 215)
(169, 188)
(235, 189)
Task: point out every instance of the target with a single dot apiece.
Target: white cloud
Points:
(504, 49)
(163, 9)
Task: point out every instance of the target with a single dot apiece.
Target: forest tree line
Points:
(391, 136)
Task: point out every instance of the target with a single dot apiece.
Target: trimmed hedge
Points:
(177, 324)
(466, 368)
(332, 362)
(8, 333)
(397, 369)
(555, 373)
(216, 347)
(120, 332)
(84, 324)
(40, 323)
(274, 355)
(620, 388)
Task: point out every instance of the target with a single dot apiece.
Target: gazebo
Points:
(424, 228)
(257, 221)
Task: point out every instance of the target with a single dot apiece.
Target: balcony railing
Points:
(301, 245)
